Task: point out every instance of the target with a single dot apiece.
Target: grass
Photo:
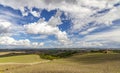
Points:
(92, 58)
(85, 63)
(21, 59)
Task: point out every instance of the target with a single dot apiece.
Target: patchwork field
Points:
(78, 63)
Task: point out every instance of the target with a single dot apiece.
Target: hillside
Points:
(85, 63)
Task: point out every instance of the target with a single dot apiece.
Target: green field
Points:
(21, 59)
(85, 63)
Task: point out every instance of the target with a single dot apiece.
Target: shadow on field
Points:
(95, 58)
(54, 71)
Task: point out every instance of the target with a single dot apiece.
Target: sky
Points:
(59, 24)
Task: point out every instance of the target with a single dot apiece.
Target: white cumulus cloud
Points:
(45, 29)
(5, 26)
(9, 41)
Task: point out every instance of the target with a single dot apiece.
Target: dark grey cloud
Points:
(60, 1)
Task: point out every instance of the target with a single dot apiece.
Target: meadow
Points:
(96, 62)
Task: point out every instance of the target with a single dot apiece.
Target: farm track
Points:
(13, 63)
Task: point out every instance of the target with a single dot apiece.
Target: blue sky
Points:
(60, 24)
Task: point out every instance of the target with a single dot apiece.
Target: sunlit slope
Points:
(21, 59)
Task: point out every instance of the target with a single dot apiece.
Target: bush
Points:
(48, 57)
(51, 56)
(65, 54)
